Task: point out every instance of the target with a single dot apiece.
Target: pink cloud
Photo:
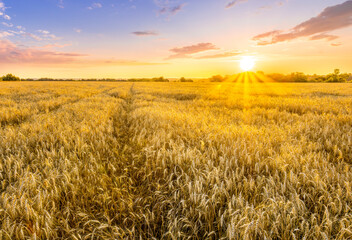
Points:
(234, 3)
(10, 53)
(330, 19)
(5, 34)
(55, 45)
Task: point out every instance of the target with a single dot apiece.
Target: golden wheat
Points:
(111, 160)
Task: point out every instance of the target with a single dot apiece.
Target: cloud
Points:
(169, 8)
(43, 35)
(271, 6)
(2, 8)
(5, 34)
(43, 32)
(330, 19)
(145, 33)
(335, 44)
(55, 45)
(10, 53)
(324, 36)
(233, 3)
(61, 4)
(46, 34)
(124, 63)
(7, 24)
(281, 3)
(2, 11)
(34, 36)
(175, 9)
(95, 5)
(185, 52)
(219, 55)
(77, 30)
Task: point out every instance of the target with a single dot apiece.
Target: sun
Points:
(247, 63)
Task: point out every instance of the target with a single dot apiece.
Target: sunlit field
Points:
(245, 160)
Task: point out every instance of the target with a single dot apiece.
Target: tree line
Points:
(336, 76)
(11, 77)
(259, 76)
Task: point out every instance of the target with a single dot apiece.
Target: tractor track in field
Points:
(128, 150)
(132, 160)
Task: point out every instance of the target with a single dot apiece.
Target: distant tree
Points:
(10, 77)
(160, 79)
(45, 79)
(334, 77)
(298, 77)
(185, 80)
(317, 78)
(217, 78)
(345, 77)
(349, 79)
(278, 77)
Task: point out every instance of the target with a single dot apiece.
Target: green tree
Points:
(345, 77)
(10, 77)
(334, 77)
(298, 77)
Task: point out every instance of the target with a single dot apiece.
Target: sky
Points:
(172, 38)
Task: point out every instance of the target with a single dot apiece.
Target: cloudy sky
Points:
(172, 38)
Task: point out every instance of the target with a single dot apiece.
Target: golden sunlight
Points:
(247, 63)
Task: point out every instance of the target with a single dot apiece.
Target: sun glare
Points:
(247, 63)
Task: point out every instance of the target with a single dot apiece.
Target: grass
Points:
(175, 161)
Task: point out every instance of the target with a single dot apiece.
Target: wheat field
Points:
(105, 160)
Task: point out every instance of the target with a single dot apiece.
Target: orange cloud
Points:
(324, 36)
(121, 63)
(185, 52)
(335, 44)
(220, 55)
(331, 18)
